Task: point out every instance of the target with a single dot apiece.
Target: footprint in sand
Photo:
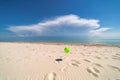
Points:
(98, 65)
(94, 71)
(51, 76)
(115, 79)
(82, 54)
(97, 57)
(117, 54)
(75, 63)
(114, 67)
(86, 60)
(116, 57)
(106, 58)
(63, 69)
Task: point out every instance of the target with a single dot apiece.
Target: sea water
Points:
(61, 40)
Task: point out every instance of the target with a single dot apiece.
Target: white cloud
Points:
(71, 20)
(99, 31)
(60, 25)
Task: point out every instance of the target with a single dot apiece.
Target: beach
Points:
(37, 61)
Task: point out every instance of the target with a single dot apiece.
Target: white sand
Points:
(36, 61)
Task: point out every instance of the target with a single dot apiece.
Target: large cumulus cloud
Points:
(61, 25)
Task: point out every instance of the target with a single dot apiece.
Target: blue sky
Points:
(88, 18)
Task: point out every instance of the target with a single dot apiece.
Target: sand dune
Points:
(37, 61)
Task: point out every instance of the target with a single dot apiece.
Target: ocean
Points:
(62, 40)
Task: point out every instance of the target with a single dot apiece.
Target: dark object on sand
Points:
(58, 60)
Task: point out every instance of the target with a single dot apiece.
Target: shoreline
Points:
(72, 44)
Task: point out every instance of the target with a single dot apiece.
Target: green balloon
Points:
(66, 50)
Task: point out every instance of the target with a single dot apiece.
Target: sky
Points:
(78, 18)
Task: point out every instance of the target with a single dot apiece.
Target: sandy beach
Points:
(37, 61)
